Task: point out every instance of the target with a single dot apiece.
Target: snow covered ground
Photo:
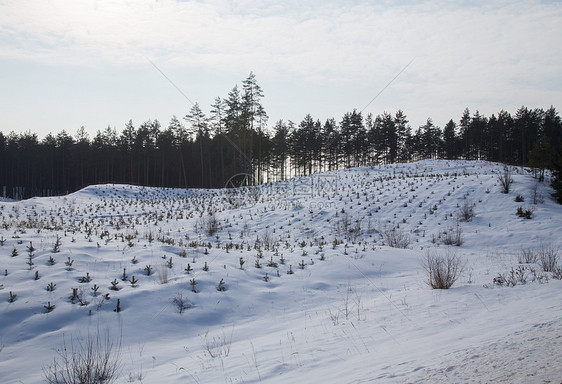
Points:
(320, 296)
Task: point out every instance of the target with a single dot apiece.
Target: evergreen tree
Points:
(353, 136)
(81, 155)
(557, 181)
(217, 124)
(466, 134)
(552, 128)
(450, 140)
(331, 143)
(404, 136)
(234, 125)
(377, 143)
(389, 136)
(500, 137)
(254, 117)
(200, 129)
(541, 157)
(527, 125)
(280, 149)
(126, 145)
(64, 146)
(431, 142)
(478, 128)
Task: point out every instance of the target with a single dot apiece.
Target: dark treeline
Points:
(207, 150)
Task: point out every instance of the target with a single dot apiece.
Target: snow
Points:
(357, 311)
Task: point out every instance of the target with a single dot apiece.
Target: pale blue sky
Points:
(66, 64)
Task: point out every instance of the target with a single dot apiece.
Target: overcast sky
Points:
(66, 64)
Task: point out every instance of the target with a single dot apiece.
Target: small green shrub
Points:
(49, 307)
(525, 213)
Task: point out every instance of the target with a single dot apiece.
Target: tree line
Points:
(206, 150)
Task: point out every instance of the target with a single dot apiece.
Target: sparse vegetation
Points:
(69, 263)
(346, 227)
(193, 283)
(527, 256)
(49, 307)
(114, 284)
(466, 212)
(505, 180)
(526, 213)
(442, 269)
(536, 194)
(221, 287)
(85, 279)
(208, 224)
(180, 302)
(94, 360)
(57, 245)
(148, 270)
(519, 275)
(133, 281)
(395, 237)
(162, 272)
(548, 257)
(219, 345)
(452, 235)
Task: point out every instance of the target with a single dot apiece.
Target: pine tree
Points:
(254, 118)
(217, 121)
(557, 181)
(466, 134)
(541, 157)
(404, 135)
(331, 143)
(200, 129)
(234, 126)
(450, 140)
(280, 148)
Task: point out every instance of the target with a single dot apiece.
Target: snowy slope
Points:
(354, 309)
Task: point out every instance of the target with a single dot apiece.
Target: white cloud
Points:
(485, 55)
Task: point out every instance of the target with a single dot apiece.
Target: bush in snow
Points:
(95, 360)
(536, 194)
(346, 227)
(442, 269)
(452, 236)
(207, 224)
(465, 213)
(524, 212)
(505, 180)
(395, 237)
(527, 256)
(218, 346)
(162, 272)
(548, 258)
(520, 276)
(180, 302)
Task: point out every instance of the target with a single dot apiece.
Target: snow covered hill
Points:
(316, 279)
